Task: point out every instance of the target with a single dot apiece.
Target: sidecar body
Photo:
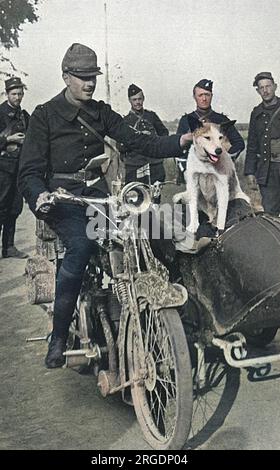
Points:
(235, 281)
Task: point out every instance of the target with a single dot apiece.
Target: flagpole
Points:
(107, 82)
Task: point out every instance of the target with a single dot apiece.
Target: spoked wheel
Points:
(215, 386)
(162, 397)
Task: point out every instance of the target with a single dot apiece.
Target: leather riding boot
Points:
(55, 357)
(9, 229)
(8, 248)
(67, 291)
(13, 252)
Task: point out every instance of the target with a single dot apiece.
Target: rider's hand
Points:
(252, 183)
(44, 203)
(186, 140)
(17, 138)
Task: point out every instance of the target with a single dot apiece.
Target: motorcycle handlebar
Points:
(61, 195)
(134, 197)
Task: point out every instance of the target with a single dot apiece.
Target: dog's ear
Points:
(224, 126)
(194, 123)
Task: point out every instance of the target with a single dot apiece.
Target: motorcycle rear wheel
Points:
(163, 398)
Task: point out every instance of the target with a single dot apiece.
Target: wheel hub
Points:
(151, 378)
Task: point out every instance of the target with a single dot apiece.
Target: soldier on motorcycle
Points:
(63, 135)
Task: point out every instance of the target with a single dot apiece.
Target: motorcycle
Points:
(150, 333)
(129, 327)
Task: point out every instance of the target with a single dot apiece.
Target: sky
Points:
(163, 46)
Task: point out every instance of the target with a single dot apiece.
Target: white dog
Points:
(210, 176)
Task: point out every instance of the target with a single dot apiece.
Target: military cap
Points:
(133, 90)
(13, 82)
(261, 76)
(205, 84)
(80, 61)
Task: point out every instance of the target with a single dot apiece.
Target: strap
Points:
(276, 112)
(94, 132)
(105, 142)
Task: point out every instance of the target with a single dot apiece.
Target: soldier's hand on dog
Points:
(17, 138)
(186, 139)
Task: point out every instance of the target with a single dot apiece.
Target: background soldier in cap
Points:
(56, 150)
(262, 163)
(138, 167)
(13, 124)
(202, 93)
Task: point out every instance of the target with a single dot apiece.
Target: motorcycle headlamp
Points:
(136, 197)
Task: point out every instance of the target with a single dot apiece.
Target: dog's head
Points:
(210, 139)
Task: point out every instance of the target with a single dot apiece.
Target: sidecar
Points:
(235, 285)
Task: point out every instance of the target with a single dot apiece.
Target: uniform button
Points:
(264, 159)
(264, 151)
(266, 122)
(265, 144)
(265, 135)
(266, 129)
(65, 161)
(82, 127)
(85, 147)
(86, 133)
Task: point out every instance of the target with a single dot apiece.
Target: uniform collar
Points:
(69, 112)
(260, 108)
(203, 114)
(137, 113)
(10, 110)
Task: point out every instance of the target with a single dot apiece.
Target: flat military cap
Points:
(80, 61)
(261, 76)
(205, 84)
(133, 90)
(13, 82)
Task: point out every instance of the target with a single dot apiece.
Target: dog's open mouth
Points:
(213, 158)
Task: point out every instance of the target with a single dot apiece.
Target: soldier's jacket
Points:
(12, 121)
(147, 123)
(56, 142)
(258, 154)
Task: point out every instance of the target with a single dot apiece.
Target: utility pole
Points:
(107, 82)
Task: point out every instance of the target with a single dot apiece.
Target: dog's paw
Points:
(177, 198)
(207, 230)
(192, 229)
(243, 196)
(183, 198)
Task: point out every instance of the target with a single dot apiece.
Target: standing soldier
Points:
(139, 167)
(13, 124)
(262, 163)
(203, 94)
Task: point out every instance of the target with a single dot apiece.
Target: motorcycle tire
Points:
(162, 393)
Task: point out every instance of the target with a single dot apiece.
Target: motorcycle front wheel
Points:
(162, 377)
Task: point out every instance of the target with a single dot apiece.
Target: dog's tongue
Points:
(213, 158)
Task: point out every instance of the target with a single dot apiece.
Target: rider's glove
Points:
(44, 204)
